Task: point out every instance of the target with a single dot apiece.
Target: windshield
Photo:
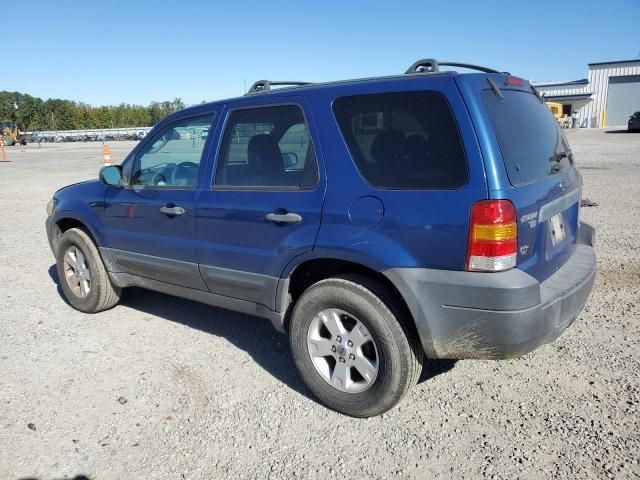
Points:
(531, 142)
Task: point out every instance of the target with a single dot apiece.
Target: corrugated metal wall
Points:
(599, 83)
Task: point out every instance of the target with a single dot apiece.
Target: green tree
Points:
(32, 113)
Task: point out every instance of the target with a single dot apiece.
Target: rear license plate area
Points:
(557, 229)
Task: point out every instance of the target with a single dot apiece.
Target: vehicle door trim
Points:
(248, 286)
(166, 270)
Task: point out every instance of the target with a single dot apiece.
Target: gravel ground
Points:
(160, 387)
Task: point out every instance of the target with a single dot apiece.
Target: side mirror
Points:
(111, 175)
(290, 159)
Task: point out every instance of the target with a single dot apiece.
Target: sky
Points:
(136, 52)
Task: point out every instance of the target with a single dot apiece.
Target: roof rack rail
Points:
(431, 65)
(265, 85)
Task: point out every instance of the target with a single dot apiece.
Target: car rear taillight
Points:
(493, 235)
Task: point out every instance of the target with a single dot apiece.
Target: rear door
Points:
(528, 161)
(263, 206)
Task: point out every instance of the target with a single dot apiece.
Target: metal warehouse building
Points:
(607, 97)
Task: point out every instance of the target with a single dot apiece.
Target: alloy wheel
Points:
(77, 272)
(343, 351)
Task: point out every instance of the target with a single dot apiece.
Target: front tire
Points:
(354, 346)
(82, 275)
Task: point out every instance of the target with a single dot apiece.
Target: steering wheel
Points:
(159, 178)
(184, 171)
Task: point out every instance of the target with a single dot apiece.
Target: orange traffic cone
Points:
(106, 154)
(3, 151)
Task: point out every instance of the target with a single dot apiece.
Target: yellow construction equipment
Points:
(556, 108)
(9, 132)
(563, 119)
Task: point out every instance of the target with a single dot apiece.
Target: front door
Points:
(150, 223)
(264, 205)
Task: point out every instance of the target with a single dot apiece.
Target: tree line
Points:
(34, 114)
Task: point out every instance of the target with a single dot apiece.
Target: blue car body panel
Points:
(84, 203)
(133, 222)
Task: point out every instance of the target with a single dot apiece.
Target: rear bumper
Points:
(496, 315)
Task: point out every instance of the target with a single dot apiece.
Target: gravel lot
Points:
(160, 387)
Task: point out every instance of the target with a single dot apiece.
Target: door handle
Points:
(283, 217)
(172, 211)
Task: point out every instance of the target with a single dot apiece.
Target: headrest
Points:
(263, 153)
(388, 145)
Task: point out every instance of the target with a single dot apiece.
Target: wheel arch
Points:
(312, 270)
(67, 222)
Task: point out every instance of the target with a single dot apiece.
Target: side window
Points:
(172, 157)
(268, 148)
(403, 140)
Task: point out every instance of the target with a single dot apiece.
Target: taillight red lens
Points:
(493, 235)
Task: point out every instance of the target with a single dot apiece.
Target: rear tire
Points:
(357, 381)
(82, 275)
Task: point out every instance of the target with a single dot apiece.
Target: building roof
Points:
(634, 60)
(582, 81)
(575, 96)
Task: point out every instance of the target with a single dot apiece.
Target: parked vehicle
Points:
(634, 122)
(374, 220)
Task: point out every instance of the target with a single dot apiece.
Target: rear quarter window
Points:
(403, 140)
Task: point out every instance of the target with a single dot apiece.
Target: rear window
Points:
(405, 140)
(531, 142)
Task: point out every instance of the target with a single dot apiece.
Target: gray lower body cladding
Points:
(496, 315)
(230, 289)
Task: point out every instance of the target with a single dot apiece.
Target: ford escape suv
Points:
(376, 221)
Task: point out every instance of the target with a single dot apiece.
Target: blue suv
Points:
(376, 221)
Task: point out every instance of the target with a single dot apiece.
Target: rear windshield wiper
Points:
(558, 156)
(495, 88)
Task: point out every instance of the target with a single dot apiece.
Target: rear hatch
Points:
(529, 162)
